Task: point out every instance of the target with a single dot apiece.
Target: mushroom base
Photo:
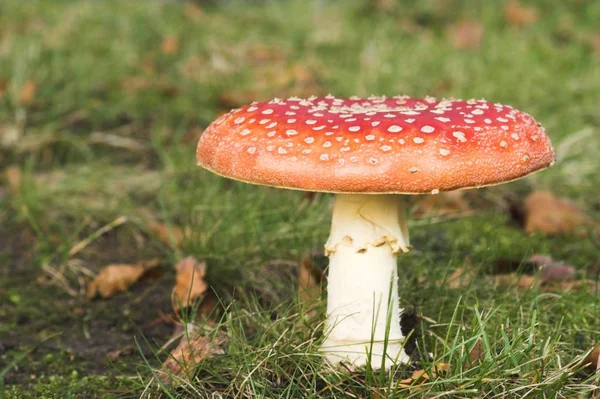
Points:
(363, 315)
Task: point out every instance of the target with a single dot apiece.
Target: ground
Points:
(101, 106)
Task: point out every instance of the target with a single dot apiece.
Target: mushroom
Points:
(367, 151)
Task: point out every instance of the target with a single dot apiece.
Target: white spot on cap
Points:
(263, 121)
(354, 128)
(394, 129)
(309, 140)
(267, 111)
(281, 150)
(502, 120)
(526, 158)
(310, 122)
(442, 119)
(435, 191)
(409, 120)
(239, 120)
(504, 127)
(271, 133)
(503, 144)
(324, 157)
(319, 127)
(487, 120)
(245, 132)
(291, 132)
(373, 160)
(469, 121)
(291, 120)
(460, 136)
(251, 150)
(354, 159)
(370, 137)
(418, 140)
(515, 136)
(252, 109)
(290, 113)
(477, 112)
(386, 148)
(327, 144)
(427, 129)
(414, 169)
(307, 151)
(444, 151)
(271, 125)
(376, 123)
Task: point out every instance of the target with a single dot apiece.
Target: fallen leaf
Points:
(476, 355)
(421, 376)
(551, 270)
(466, 34)
(521, 281)
(446, 203)
(262, 54)
(193, 11)
(170, 45)
(592, 361)
(116, 278)
(517, 14)
(193, 348)
(545, 213)
(113, 356)
(27, 94)
(189, 283)
(171, 235)
(13, 177)
(594, 42)
(460, 278)
(311, 275)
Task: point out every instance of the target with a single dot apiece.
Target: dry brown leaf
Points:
(522, 281)
(466, 34)
(189, 283)
(193, 11)
(3, 87)
(192, 349)
(13, 178)
(552, 271)
(592, 361)
(309, 279)
(460, 278)
(446, 203)
(594, 42)
(548, 214)
(117, 353)
(517, 14)
(170, 45)
(421, 376)
(116, 278)
(476, 356)
(262, 54)
(173, 236)
(27, 94)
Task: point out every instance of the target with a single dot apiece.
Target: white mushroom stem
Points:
(363, 315)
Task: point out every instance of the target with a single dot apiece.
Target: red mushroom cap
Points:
(375, 145)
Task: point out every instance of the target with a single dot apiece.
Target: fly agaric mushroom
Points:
(367, 151)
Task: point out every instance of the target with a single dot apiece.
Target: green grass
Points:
(111, 131)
